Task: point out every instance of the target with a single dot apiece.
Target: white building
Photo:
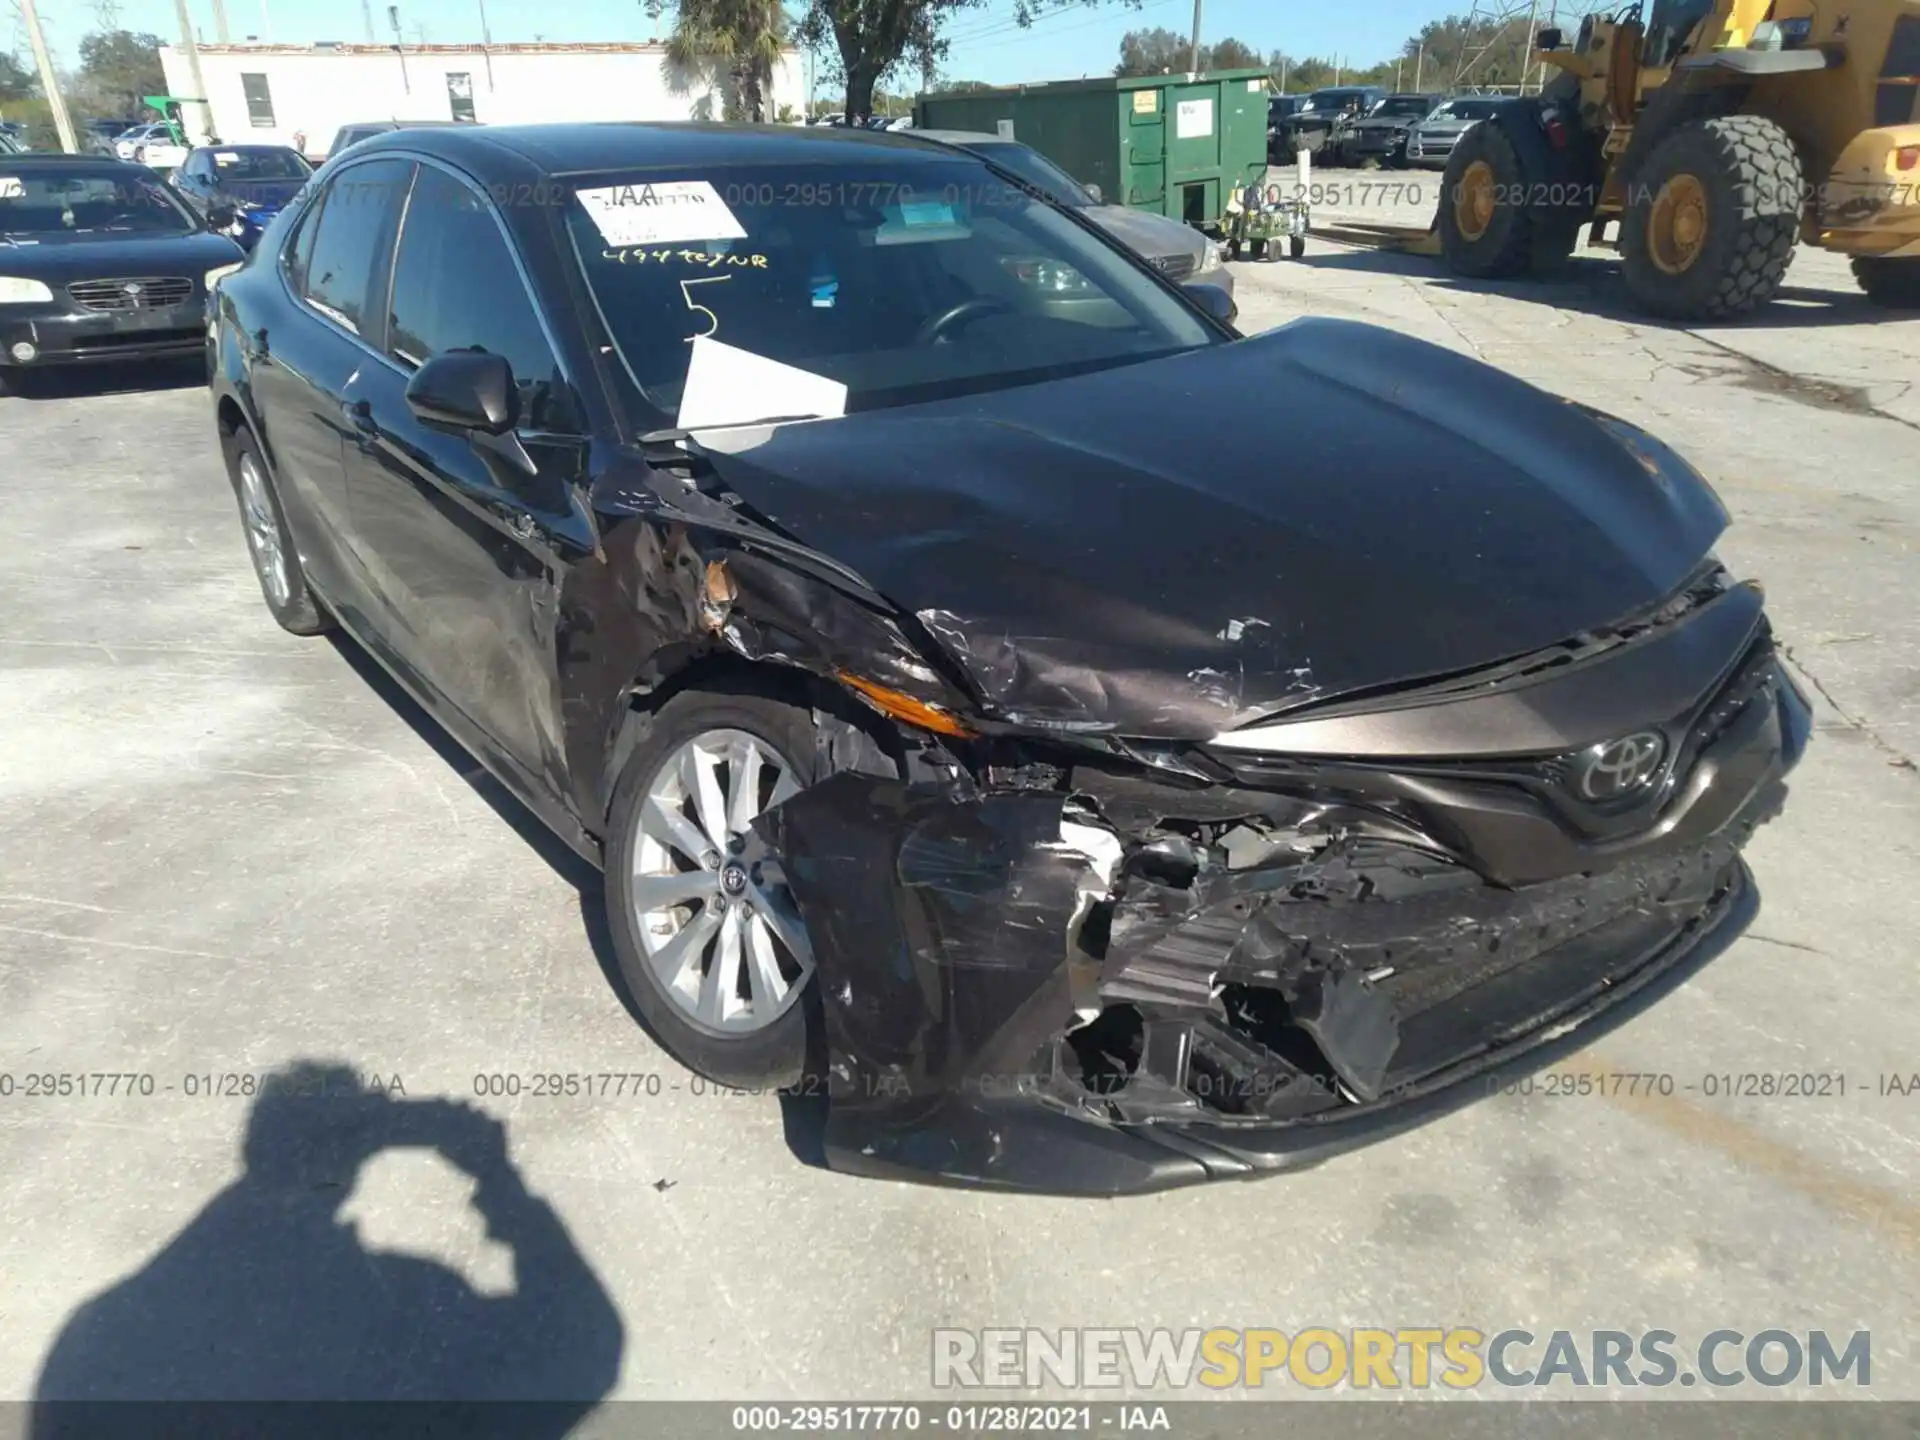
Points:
(268, 94)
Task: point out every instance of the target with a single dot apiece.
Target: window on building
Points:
(456, 287)
(259, 101)
(460, 94)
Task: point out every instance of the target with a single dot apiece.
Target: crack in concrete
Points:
(1897, 757)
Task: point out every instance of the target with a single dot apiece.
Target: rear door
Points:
(466, 549)
(305, 353)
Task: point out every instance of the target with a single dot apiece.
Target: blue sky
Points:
(987, 46)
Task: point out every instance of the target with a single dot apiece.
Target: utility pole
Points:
(1336, 69)
(1419, 64)
(1285, 65)
(192, 47)
(1193, 56)
(366, 15)
(1526, 60)
(486, 35)
(220, 21)
(38, 40)
(1396, 75)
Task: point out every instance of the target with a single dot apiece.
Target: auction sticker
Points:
(11, 188)
(660, 213)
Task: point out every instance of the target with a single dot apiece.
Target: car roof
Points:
(585, 147)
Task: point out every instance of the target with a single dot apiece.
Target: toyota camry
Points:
(963, 700)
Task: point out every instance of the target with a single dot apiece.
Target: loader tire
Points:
(1889, 282)
(1487, 230)
(1711, 219)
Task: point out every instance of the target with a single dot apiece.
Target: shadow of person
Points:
(268, 1295)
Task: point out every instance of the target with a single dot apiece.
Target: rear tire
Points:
(761, 1052)
(1257, 249)
(1484, 234)
(1297, 246)
(1712, 218)
(1892, 283)
(276, 564)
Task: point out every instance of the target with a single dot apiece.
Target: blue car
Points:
(240, 188)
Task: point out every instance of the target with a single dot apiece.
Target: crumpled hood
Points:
(1176, 548)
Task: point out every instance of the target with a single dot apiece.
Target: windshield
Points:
(1028, 164)
(243, 165)
(1405, 106)
(58, 200)
(901, 278)
(1334, 100)
(1465, 109)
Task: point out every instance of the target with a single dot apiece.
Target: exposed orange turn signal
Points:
(905, 707)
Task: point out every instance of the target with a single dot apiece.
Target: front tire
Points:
(276, 564)
(1711, 219)
(1487, 232)
(1892, 283)
(708, 937)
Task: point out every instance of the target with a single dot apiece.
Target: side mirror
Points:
(465, 390)
(220, 217)
(1550, 38)
(1099, 198)
(1211, 298)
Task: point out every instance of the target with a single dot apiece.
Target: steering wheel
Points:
(957, 317)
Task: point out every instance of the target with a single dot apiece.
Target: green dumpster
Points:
(1172, 144)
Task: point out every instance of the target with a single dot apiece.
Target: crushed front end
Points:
(1088, 965)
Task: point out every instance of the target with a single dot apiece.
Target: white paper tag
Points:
(226, 157)
(1193, 120)
(1004, 129)
(730, 386)
(662, 213)
(11, 188)
(1254, 87)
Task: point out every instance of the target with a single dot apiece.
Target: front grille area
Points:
(1175, 267)
(109, 296)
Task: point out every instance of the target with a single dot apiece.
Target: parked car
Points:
(99, 260)
(1320, 125)
(1381, 134)
(950, 677)
(1432, 140)
(249, 183)
(1280, 110)
(366, 129)
(129, 142)
(1178, 251)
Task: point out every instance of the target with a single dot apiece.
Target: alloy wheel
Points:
(263, 532)
(715, 916)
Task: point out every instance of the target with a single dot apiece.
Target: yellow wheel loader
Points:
(1703, 139)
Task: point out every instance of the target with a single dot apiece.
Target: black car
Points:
(99, 260)
(366, 129)
(1381, 134)
(244, 185)
(1321, 125)
(1095, 803)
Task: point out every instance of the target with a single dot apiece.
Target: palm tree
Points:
(731, 45)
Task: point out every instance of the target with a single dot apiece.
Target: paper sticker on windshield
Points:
(671, 211)
(11, 187)
(226, 157)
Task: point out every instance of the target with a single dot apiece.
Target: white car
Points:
(128, 141)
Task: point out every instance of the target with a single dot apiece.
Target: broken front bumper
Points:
(1006, 1004)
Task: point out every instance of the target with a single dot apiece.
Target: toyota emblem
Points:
(1619, 768)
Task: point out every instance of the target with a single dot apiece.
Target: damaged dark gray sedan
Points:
(1109, 752)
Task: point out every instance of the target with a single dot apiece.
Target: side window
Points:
(300, 247)
(456, 287)
(353, 234)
